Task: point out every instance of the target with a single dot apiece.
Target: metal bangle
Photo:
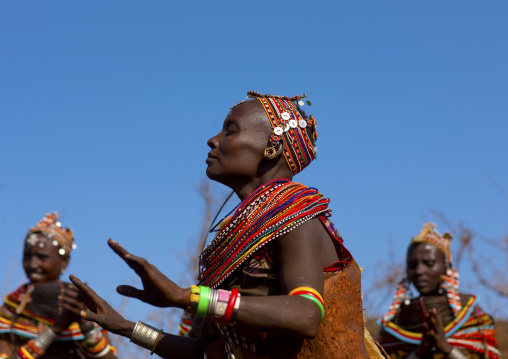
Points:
(45, 338)
(214, 295)
(87, 327)
(456, 354)
(157, 340)
(144, 335)
(232, 320)
(92, 337)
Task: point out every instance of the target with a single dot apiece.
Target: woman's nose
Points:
(420, 269)
(212, 142)
(34, 263)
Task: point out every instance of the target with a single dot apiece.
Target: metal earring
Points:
(270, 152)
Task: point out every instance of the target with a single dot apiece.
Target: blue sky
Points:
(106, 107)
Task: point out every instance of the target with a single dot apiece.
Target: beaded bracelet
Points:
(220, 308)
(95, 343)
(194, 299)
(312, 295)
(217, 304)
(36, 347)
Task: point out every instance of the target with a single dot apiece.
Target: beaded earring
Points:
(399, 297)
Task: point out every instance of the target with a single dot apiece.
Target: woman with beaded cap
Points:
(41, 318)
(441, 322)
(276, 264)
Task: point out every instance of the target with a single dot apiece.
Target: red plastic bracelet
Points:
(231, 306)
(309, 293)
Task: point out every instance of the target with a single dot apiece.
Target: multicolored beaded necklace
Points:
(271, 211)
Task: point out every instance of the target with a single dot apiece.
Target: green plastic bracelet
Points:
(204, 298)
(315, 300)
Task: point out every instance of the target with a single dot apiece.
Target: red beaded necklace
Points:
(271, 211)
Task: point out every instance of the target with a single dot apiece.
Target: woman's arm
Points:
(6, 348)
(301, 265)
(299, 254)
(99, 311)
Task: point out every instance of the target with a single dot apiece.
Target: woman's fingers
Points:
(137, 263)
(91, 299)
(90, 316)
(129, 291)
(118, 249)
(72, 301)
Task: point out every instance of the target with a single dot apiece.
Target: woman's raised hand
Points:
(99, 311)
(158, 290)
(437, 332)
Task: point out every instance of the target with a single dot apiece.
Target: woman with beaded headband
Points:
(276, 281)
(441, 322)
(41, 318)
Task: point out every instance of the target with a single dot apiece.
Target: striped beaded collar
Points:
(271, 211)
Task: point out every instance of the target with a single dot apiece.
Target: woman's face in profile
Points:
(41, 261)
(236, 152)
(425, 265)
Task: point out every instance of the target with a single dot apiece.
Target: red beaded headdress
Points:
(50, 226)
(288, 123)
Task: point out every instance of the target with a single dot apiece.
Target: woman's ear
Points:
(65, 263)
(272, 152)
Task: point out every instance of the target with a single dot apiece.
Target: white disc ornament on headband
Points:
(285, 116)
(32, 239)
(278, 131)
(61, 251)
(302, 123)
(293, 124)
(55, 243)
(301, 103)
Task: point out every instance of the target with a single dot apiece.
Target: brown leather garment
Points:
(340, 335)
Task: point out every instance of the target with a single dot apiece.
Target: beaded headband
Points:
(288, 123)
(50, 226)
(430, 235)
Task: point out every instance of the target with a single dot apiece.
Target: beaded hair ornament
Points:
(450, 283)
(52, 228)
(299, 133)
